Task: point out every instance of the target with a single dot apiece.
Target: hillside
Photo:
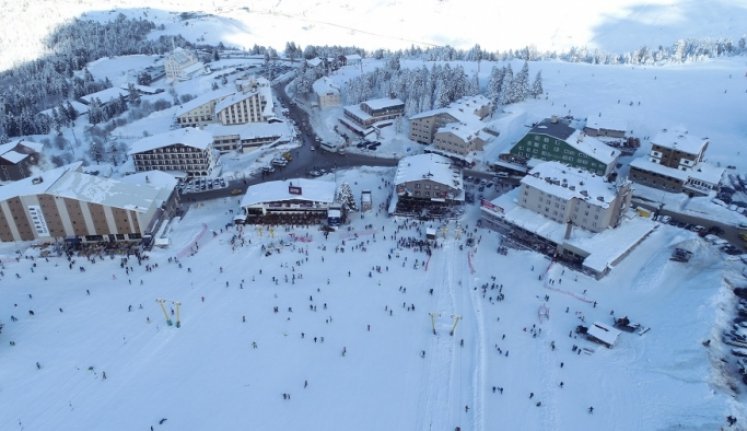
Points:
(613, 26)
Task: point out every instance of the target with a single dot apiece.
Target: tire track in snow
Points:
(437, 401)
(479, 354)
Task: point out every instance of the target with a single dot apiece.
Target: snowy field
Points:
(350, 344)
(705, 98)
(610, 26)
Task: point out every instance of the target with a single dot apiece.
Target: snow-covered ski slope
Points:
(611, 26)
(208, 375)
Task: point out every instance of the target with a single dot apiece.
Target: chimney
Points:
(568, 230)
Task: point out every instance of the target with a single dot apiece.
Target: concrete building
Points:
(553, 139)
(375, 112)
(181, 65)
(458, 141)
(297, 201)
(426, 182)
(65, 203)
(566, 194)
(467, 110)
(675, 164)
(326, 93)
(246, 137)
(17, 158)
(570, 215)
(189, 151)
(201, 110)
(246, 107)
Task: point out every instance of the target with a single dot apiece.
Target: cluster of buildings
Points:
(366, 117)
(555, 139)
(456, 131)
(570, 214)
(214, 123)
(675, 164)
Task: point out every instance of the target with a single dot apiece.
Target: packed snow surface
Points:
(283, 328)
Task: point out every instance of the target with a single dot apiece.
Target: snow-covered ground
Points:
(611, 26)
(351, 341)
(707, 99)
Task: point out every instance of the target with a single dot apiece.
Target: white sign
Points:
(37, 219)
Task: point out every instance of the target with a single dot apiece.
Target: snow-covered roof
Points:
(592, 147)
(80, 108)
(36, 184)
(679, 140)
(203, 99)
(189, 136)
(105, 95)
(356, 111)
(274, 191)
(645, 164)
(142, 88)
(602, 249)
(248, 130)
(153, 178)
(567, 183)
(429, 166)
(465, 131)
(706, 172)
(163, 181)
(702, 171)
(352, 57)
(324, 85)
(13, 156)
(606, 334)
(314, 62)
(105, 191)
(182, 56)
(193, 68)
(9, 153)
(433, 112)
(263, 92)
(383, 103)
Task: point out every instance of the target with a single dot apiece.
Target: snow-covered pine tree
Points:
(495, 83)
(345, 197)
(537, 85)
(508, 78)
(520, 84)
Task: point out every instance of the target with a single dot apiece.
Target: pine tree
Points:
(537, 85)
(508, 79)
(345, 197)
(520, 84)
(495, 84)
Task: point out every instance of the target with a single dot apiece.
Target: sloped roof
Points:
(203, 99)
(249, 130)
(680, 140)
(105, 191)
(189, 136)
(37, 184)
(13, 156)
(274, 191)
(556, 179)
(105, 95)
(430, 166)
(324, 85)
(382, 103)
(555, 128)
